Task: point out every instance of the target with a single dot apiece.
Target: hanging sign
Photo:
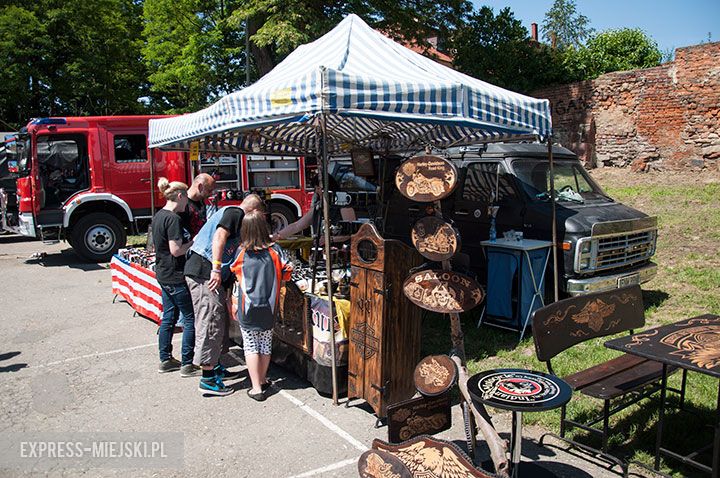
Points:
(194, 151)
(435, 239)
(418, 416)
(435, 375)
(426, 178)
(443, 291)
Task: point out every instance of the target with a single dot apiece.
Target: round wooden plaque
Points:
(442, 291)
(435, 375)
(426, 178)
(435, 239)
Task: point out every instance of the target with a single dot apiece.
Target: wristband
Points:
(217, 263)
(217, 271)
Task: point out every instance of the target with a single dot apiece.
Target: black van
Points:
(605, 244)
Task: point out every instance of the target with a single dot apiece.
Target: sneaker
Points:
(169, 365)
(225, 374)
(190, 370)
(214, 386)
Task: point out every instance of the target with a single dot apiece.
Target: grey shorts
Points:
(212, 329)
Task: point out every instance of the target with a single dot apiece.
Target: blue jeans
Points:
(176, 302)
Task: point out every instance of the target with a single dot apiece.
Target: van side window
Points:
(480, 183)
(130, 148)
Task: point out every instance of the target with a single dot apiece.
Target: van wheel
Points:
(281, 216)
(97, 236)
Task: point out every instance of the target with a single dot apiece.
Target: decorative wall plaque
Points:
(418, 416)
(426, 178)
(443, 291)
(435, 239)
(381, 464)
(435, 375)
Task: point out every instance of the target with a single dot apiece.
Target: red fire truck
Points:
(88, 180)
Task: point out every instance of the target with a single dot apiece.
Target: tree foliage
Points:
(193, 53)
(613, 50)
(564, 26)
(498, 49)
(278, 26)
(66, 58)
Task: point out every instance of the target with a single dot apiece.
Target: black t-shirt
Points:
(166, 227)
(197, 266)
(194, 216)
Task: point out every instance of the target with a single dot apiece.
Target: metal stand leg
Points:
(661, 419)
(516, 444)
(536, 287)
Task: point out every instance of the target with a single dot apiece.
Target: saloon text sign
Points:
(426, 178)
(435, 239)
(442, 291)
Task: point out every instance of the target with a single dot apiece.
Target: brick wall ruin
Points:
(666, 117)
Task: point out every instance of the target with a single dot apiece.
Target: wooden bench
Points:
(563, 324)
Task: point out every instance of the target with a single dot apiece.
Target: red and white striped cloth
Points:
(137, 286)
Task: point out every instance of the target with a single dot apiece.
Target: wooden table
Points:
(691, 344)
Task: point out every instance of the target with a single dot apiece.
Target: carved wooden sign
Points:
(426, 178)
(381, 464)
(418, 416)
(443, 291)
(435, 239)
(435, 375)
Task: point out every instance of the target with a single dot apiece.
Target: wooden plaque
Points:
(418, 416)
(381, 464)
(428, 457)
(426, 178)
(443, 291)
(435, 375)
(435, 239)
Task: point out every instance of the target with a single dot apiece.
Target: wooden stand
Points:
(385, 328)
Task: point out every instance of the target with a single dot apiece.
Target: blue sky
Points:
(671, 24)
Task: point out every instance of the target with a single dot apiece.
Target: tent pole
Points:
(152, 181)
(328, 248)
(554, 218)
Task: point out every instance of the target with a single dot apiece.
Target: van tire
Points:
(281, 216)
(97, 236)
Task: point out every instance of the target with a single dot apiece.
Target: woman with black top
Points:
(172, 241)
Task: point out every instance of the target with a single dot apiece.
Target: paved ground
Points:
(72, 361)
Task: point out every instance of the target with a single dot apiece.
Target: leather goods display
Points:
(426, 178)
(384, 326)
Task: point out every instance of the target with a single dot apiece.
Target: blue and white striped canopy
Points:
(374, 93)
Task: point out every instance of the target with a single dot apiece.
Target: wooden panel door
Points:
(358, 322)
(374, 341)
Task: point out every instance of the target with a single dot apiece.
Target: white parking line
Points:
(325, 421)
(324, 469)
(96, 354)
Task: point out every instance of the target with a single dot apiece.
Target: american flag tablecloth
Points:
(137, 286)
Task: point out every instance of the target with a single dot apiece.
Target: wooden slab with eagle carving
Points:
(427, 457)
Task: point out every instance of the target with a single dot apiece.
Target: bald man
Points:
(195, 215)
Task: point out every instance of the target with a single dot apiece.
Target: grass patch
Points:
(688, 279)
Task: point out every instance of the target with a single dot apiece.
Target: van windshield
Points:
(572, 182)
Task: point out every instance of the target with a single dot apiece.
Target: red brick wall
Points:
(663, 117)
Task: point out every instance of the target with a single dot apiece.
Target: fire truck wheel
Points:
(281, 216)
(97, 236)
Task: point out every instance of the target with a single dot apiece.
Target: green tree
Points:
(613, 50)
(498, 49)
(564, 26)
(276, 27)
(70, 58)
(193, 53)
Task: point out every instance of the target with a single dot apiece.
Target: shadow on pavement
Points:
(65, 258)
(13, 238)
(9, 355)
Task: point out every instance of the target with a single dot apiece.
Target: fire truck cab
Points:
(88, 180)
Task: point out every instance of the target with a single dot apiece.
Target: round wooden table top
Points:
(519, 390)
